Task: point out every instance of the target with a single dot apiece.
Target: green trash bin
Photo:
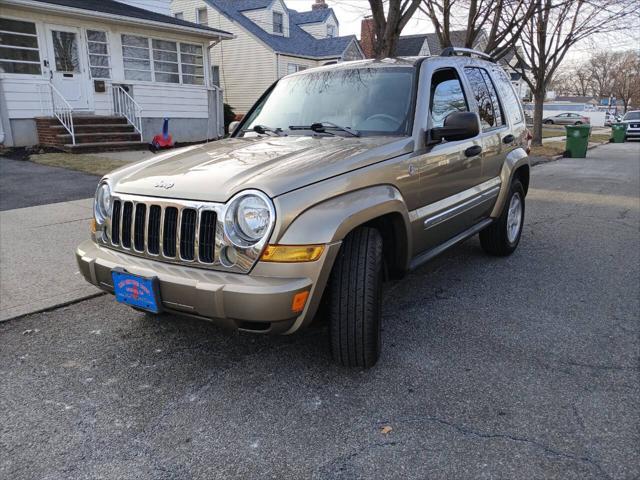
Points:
(618, 132)
(577, 140)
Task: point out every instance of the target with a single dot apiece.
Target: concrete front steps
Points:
(93, 133)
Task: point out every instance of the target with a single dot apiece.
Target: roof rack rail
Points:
(452, 51)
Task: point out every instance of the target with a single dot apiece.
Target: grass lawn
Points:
(93, 164)
(549, 149)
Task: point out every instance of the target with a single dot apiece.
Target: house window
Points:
(19, 51)
(165, 61)
(135, 56)
(215, 75)
(191, 62)
(278, 23)
(202, 17)
(294, 67)
(98, 47)
(179, 15)
(331, 31)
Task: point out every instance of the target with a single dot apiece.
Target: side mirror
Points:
(457, 126)
(233, 125)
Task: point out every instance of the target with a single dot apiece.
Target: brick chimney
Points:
(367, 36)
(319, 5)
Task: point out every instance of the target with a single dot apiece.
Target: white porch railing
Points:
(62, 110)
(124, 105)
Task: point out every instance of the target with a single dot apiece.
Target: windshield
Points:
(632, 116)
(372, 101)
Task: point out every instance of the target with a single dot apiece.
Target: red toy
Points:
(164, 140)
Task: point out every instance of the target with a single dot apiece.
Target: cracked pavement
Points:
(525, 367)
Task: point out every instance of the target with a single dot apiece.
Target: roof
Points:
(312, 16)
(244, 5)
(298, 43)
(112, 7)
(410, 45)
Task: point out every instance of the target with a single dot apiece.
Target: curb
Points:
(54, 307)
(541, 160)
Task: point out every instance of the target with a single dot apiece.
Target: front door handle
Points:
(473, 151)
(508, 139)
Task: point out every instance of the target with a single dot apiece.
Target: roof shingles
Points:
(299, 42)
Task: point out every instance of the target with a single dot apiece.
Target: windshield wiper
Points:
(263, 129)
(321, 127)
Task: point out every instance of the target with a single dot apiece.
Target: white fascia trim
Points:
(48, 7)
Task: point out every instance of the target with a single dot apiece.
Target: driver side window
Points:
(447, 96)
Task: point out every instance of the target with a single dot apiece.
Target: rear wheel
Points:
(578, 123)
(548, 122)
(355, 299)
(501, 238)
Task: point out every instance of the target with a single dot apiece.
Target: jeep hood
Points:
(216, 171)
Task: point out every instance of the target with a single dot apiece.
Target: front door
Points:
(66, 64)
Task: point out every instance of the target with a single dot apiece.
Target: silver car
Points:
(567, 119)
(632, 119)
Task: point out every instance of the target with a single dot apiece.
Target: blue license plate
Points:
(137, 291)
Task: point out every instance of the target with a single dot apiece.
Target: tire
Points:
(578, 123)
(355, 300)
(497, 239)
(548, 122)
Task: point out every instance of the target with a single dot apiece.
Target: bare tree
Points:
(556, 27)
(583, 77)
(602, 65)
(388, 25)
(496, 24)
(626, 78)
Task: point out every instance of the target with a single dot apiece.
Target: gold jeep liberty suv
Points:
(338, 178)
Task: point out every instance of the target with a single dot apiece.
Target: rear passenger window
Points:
(446, 96)
(486, 98)
(510, 101)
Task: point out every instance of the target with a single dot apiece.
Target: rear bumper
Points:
(259, 302)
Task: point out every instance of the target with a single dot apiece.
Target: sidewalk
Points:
(37, 264)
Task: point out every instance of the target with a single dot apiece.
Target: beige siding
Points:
(284, 61)
(264, 17)
(247, 66)
(319, 30)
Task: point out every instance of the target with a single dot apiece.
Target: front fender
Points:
(515, 159)
(331, 220)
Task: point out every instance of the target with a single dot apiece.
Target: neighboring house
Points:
(271, 41)
(100, 74)
(429, 44)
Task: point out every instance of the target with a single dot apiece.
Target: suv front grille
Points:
(175, 231)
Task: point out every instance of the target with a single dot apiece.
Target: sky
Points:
(351, 12)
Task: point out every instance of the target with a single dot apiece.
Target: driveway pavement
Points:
(525, 367)
(25, 184)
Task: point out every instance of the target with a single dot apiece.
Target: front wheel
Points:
(578, 123)
(501, 238)
(355, 299)
(548, 122)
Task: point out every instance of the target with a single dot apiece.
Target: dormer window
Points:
(278, 23)
(331, 31)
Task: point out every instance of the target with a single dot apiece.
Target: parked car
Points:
(632, 120)
(338, 178)
(566, 119)
(611, 118)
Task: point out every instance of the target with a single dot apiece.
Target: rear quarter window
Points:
(510, 102)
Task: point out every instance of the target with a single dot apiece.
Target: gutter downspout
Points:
(210, 64)
(1, 115)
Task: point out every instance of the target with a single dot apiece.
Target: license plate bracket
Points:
(137, 291)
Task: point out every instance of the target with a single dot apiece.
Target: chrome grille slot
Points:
(153, 231)
(127, 217)
(139, 227)
(207, 237)
(115, 222)
(170, 229)
(188, 234)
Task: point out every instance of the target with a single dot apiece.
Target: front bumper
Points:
(259, 302)
(633, 132)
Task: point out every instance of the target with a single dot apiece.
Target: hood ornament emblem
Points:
(164, 184)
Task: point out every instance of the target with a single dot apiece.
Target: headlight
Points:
(102, 208)
(248, 218)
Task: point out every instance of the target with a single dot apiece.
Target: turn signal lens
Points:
(292, 253)
(299, 301)
(92, 226)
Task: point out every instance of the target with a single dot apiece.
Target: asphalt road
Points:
(525, 367)
(26, 184)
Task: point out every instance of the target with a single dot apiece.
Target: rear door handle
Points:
(473, 151)
(508, 139)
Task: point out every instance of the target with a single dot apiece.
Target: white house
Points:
(271, 41)
(100, 74)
